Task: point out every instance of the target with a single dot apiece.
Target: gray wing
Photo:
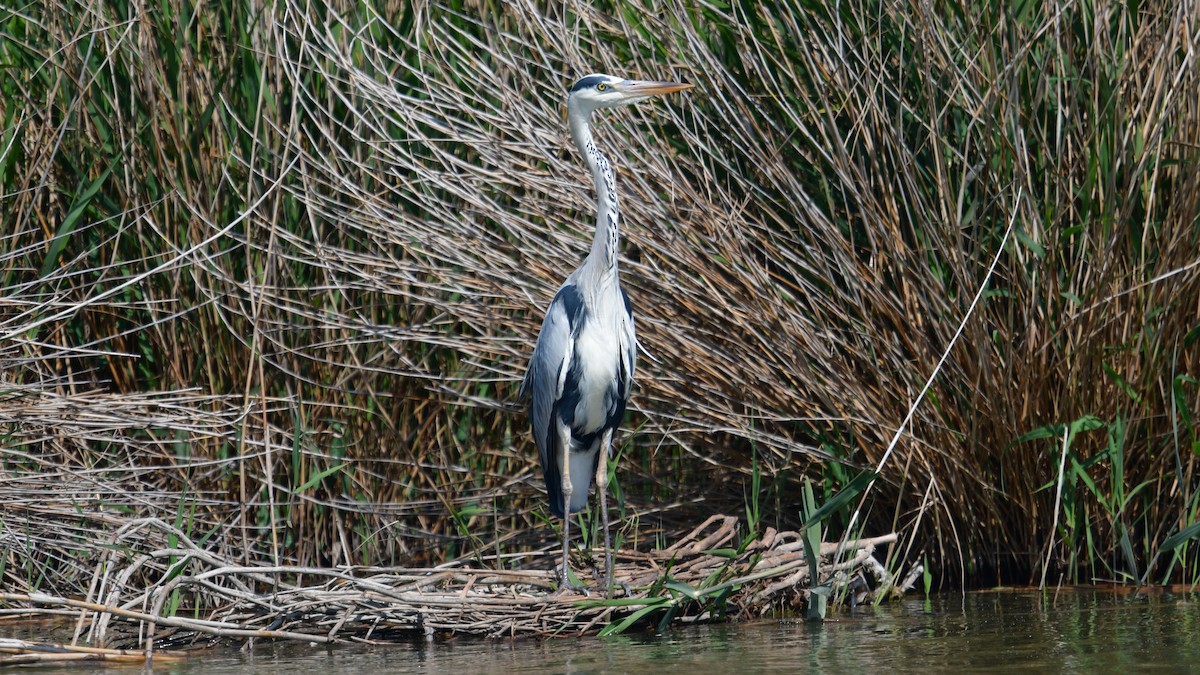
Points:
(629, 348)
(548, 367)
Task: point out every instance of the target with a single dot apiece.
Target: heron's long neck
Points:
(603, 256)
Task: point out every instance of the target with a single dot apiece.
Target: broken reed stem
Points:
(218, 628)
(1058, 488)
(14, 652)
(379, 239)
(379, 604)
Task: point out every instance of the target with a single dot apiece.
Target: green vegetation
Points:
(272, 273)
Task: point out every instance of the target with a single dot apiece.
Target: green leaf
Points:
(1048, 431)
(1190, 532)
(1086, 423)
(59, 242)
(1029, 242)
(615, 602)
(624, 624)
(811, 533)
(320, 476)
(1121, 383)
(682, 588)
(1127, 551)
(472, 510)
(842, 498)
(1082, 475)
(818, 602)
(572, 579)
(667, 616)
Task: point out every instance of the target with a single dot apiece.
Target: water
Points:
(1080, 631)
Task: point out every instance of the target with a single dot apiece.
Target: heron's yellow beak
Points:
(645, 88)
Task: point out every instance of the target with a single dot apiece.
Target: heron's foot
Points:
(568, 584)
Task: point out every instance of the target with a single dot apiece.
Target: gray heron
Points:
(581, 372)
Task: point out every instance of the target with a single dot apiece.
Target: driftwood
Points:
(244, 602)
(15, 652)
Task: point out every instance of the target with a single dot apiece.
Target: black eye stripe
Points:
(589, 81)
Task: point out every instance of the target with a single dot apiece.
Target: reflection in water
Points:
(1079, 631)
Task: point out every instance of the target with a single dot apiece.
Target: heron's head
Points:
(605, 91)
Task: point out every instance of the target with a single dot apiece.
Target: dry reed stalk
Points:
(25, 653)
(332, 232)
(241, 602)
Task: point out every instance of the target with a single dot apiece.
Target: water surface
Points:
(1077, 631)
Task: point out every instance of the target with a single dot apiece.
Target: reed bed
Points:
(707, 579)
(272, 273)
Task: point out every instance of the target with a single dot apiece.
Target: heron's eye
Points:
(602, 87)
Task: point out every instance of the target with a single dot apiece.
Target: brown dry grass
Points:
(385, 604)
(293, 313)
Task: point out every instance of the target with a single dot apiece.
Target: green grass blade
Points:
(320, 476)
(1186, 534)
(62, 236)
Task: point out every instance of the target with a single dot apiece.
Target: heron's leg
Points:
(602, 488)
(564, 468)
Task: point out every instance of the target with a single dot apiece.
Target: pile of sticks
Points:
(363, 604)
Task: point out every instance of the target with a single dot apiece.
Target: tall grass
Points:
(286, 262)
